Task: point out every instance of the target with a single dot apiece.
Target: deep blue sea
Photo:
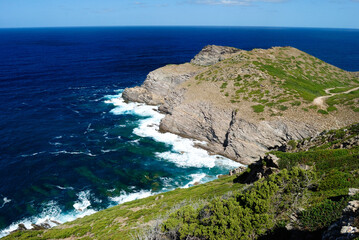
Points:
(69, 145)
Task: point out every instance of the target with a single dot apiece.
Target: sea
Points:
(70, 146)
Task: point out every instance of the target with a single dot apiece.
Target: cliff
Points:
(244, 103)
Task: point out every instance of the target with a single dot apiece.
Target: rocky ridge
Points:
(197, 108)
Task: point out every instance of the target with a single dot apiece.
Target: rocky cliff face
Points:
(160, 83)
(199, 110)
(230, 133)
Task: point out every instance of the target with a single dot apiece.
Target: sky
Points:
(272, 13)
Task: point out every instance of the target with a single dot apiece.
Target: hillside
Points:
(304, 193)
(290, 116)
(244, 103)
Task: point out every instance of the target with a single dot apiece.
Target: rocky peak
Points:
(212, 54)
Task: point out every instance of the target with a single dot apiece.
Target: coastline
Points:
(240, 106)
(185, 150)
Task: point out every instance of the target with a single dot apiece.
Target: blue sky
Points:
(293, 13)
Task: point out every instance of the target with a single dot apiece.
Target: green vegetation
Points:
(340, 90)
(224, 85)
(282, 107)
(282, 75)
(268, 204)
(349, 99)
(322, 215)
(293, 144)
(258, 108)
(321, 111)
(245, 215)
(331, 109)
(314, 184)
(305, 78)
(123, 221)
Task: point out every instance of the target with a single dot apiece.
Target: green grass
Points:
(258, 108)
(299, 79)
(224, 85)
(340, 90)
(331, 109)
(321, 111)
(121, 221)
(350, 99)
(304, 80)
(282, 107)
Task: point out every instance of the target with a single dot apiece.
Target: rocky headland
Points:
(245, 103)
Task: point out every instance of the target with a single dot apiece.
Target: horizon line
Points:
(229, 26)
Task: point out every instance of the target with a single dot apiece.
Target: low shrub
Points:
(258, 108)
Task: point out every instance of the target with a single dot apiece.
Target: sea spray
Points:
(184, 153)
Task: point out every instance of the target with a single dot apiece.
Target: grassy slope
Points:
(317, 195)
(278, 79)
(121, 221)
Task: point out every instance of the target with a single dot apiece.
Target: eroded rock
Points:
(212, 54)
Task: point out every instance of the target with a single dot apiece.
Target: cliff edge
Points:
(245, 103)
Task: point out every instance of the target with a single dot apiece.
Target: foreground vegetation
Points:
(123, 221)
(306, 193)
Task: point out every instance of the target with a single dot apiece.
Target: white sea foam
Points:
(196, 179)
(83, 202)
(127, 197)
(135, 142)
(184, 153)
(108, 150)
(65, 188)
(88, 129)
(52, 214)
(55, 143)
(73, 153)
(5, 201)
(32, 154)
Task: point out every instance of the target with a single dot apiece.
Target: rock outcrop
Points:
(345, 138)
(347, 226)
(264, 167)
(160, 83)
(192, 95)
(231, 134)
(212, 54)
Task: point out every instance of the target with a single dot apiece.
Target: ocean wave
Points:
(108, 150)
(5, 201)
(184, 153)
(32, 154)
(55, 143)
(53, 215)
(127, 197)
(65, 188)
(196, 178)
(73, 153)
(83, 201)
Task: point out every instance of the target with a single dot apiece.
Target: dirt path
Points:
(320, 101)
